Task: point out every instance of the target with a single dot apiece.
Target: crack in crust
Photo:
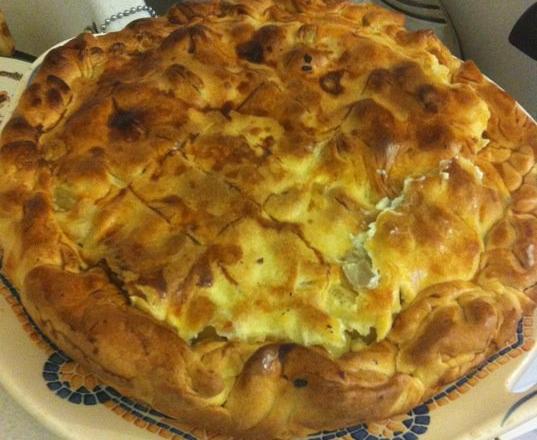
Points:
(148, 167)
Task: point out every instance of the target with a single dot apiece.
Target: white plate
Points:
(72, 403)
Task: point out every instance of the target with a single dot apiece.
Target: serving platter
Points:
(74, 404)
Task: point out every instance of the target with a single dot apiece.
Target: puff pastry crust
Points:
(269, 218)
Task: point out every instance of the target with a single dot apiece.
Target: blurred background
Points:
(474, 29)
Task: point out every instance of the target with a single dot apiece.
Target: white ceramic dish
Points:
(75, 405)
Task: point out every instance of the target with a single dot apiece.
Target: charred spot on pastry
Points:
(22, 154)
(342, 144)
(407, 74)
(203, 272)
(230, 9)
(34, 88)
(180, 14)
(96, 51)
(21, 128)
(300, 382)
(331, 82)
(178, 73)
(18, 123)
(126, 125)
(113, 277)
(368, 338)
(78, 43)
(36, 206)
(376, 124)
(35, 211)
(268, 143)
(58, 83)
(34, 94)
(175, 38)
(54, 98)
(429, 97)
(198, 33)
(118, 48)
(97, 152)
(379, 79)
(261, 42)
(205, 278)
(251, 51)
(267, 34)
(55, 58)
(155, 280)
(144, 38)
(190, 11)
(284, 350)
(435, 136)
(226, 109)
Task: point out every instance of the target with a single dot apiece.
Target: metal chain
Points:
(126, 13)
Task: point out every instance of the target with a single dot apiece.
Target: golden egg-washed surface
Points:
(272, 217)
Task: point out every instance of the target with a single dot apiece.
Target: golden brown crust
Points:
(233, 144)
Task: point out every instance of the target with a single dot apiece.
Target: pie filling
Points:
(304, 194)
(260, 279)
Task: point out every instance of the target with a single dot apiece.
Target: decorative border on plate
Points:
(71, 382)
(523, 343)
(415, 423)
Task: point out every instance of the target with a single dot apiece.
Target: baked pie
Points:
(270, 218)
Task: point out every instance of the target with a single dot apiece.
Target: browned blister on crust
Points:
(269, 218)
